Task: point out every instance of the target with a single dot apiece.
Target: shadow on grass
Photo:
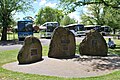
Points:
(115, 51)
(110, 62)
(117, 47)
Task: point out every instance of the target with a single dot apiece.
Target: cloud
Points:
(42, 2)
(75, 15)
(45, 3)
(35, 2)
(51, 4)
(85, 9)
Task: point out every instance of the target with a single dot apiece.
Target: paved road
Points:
(43, 42)
(11, 46)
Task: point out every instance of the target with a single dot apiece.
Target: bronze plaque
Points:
(33, 52)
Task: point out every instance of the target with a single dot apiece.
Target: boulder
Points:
(62, 44)
(31, 51)
(93, 44)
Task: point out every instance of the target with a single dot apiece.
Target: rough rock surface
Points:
(62, 44)
(93, 44)
(31, 51)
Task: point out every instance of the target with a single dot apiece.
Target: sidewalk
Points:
(69, 68)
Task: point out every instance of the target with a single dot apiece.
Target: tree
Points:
(7, 8)
(67, 20)
(72, 5)
(112, 18)
(48, 14)
(28, 18)
(102, 15)
(87, 20)
(94, 15)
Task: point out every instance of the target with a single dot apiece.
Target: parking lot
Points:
(44, 42)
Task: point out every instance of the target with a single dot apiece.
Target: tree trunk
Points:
(5, 23)
(4, 34)
(114, 31)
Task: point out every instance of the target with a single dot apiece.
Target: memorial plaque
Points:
(31, 51)
(65, 47)
(93, 44)
(65, 41)
(62, 44)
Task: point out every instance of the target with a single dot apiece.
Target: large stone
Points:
(62, 44)
(93, 44)
(31, 51)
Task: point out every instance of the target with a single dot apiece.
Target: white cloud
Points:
(75, 15)
(51, 4)
(35, 2)
(85, 9)
(42, 2)
(45, 3)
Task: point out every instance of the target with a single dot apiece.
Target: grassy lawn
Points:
(11, 56)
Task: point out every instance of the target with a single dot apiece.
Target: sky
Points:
(42, 3)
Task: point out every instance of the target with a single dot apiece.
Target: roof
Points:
(25, 20)
(50, 22)
(72, 25)
(91, 25)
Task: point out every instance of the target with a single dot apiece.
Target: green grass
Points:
(11, 56)
(117, 49)
(37, 35)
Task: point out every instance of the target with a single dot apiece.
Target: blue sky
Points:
(42, 3)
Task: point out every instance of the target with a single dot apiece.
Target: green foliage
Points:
(67, 20)
(87, 20)
(112, 17)
(101, 15)
(48, 14)
(7, 10)
(109, 16)
(72, 5)
(8, 7)
(94, 15)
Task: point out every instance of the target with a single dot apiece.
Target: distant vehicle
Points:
(86, 29)
(81, 33)
(48, 28)
(94, 27)
(105, 30)
(74, 28)
(25, 28)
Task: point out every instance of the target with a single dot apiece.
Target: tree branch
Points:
(79, 3)
(113, 6)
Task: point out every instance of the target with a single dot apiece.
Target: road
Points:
(43, 42)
